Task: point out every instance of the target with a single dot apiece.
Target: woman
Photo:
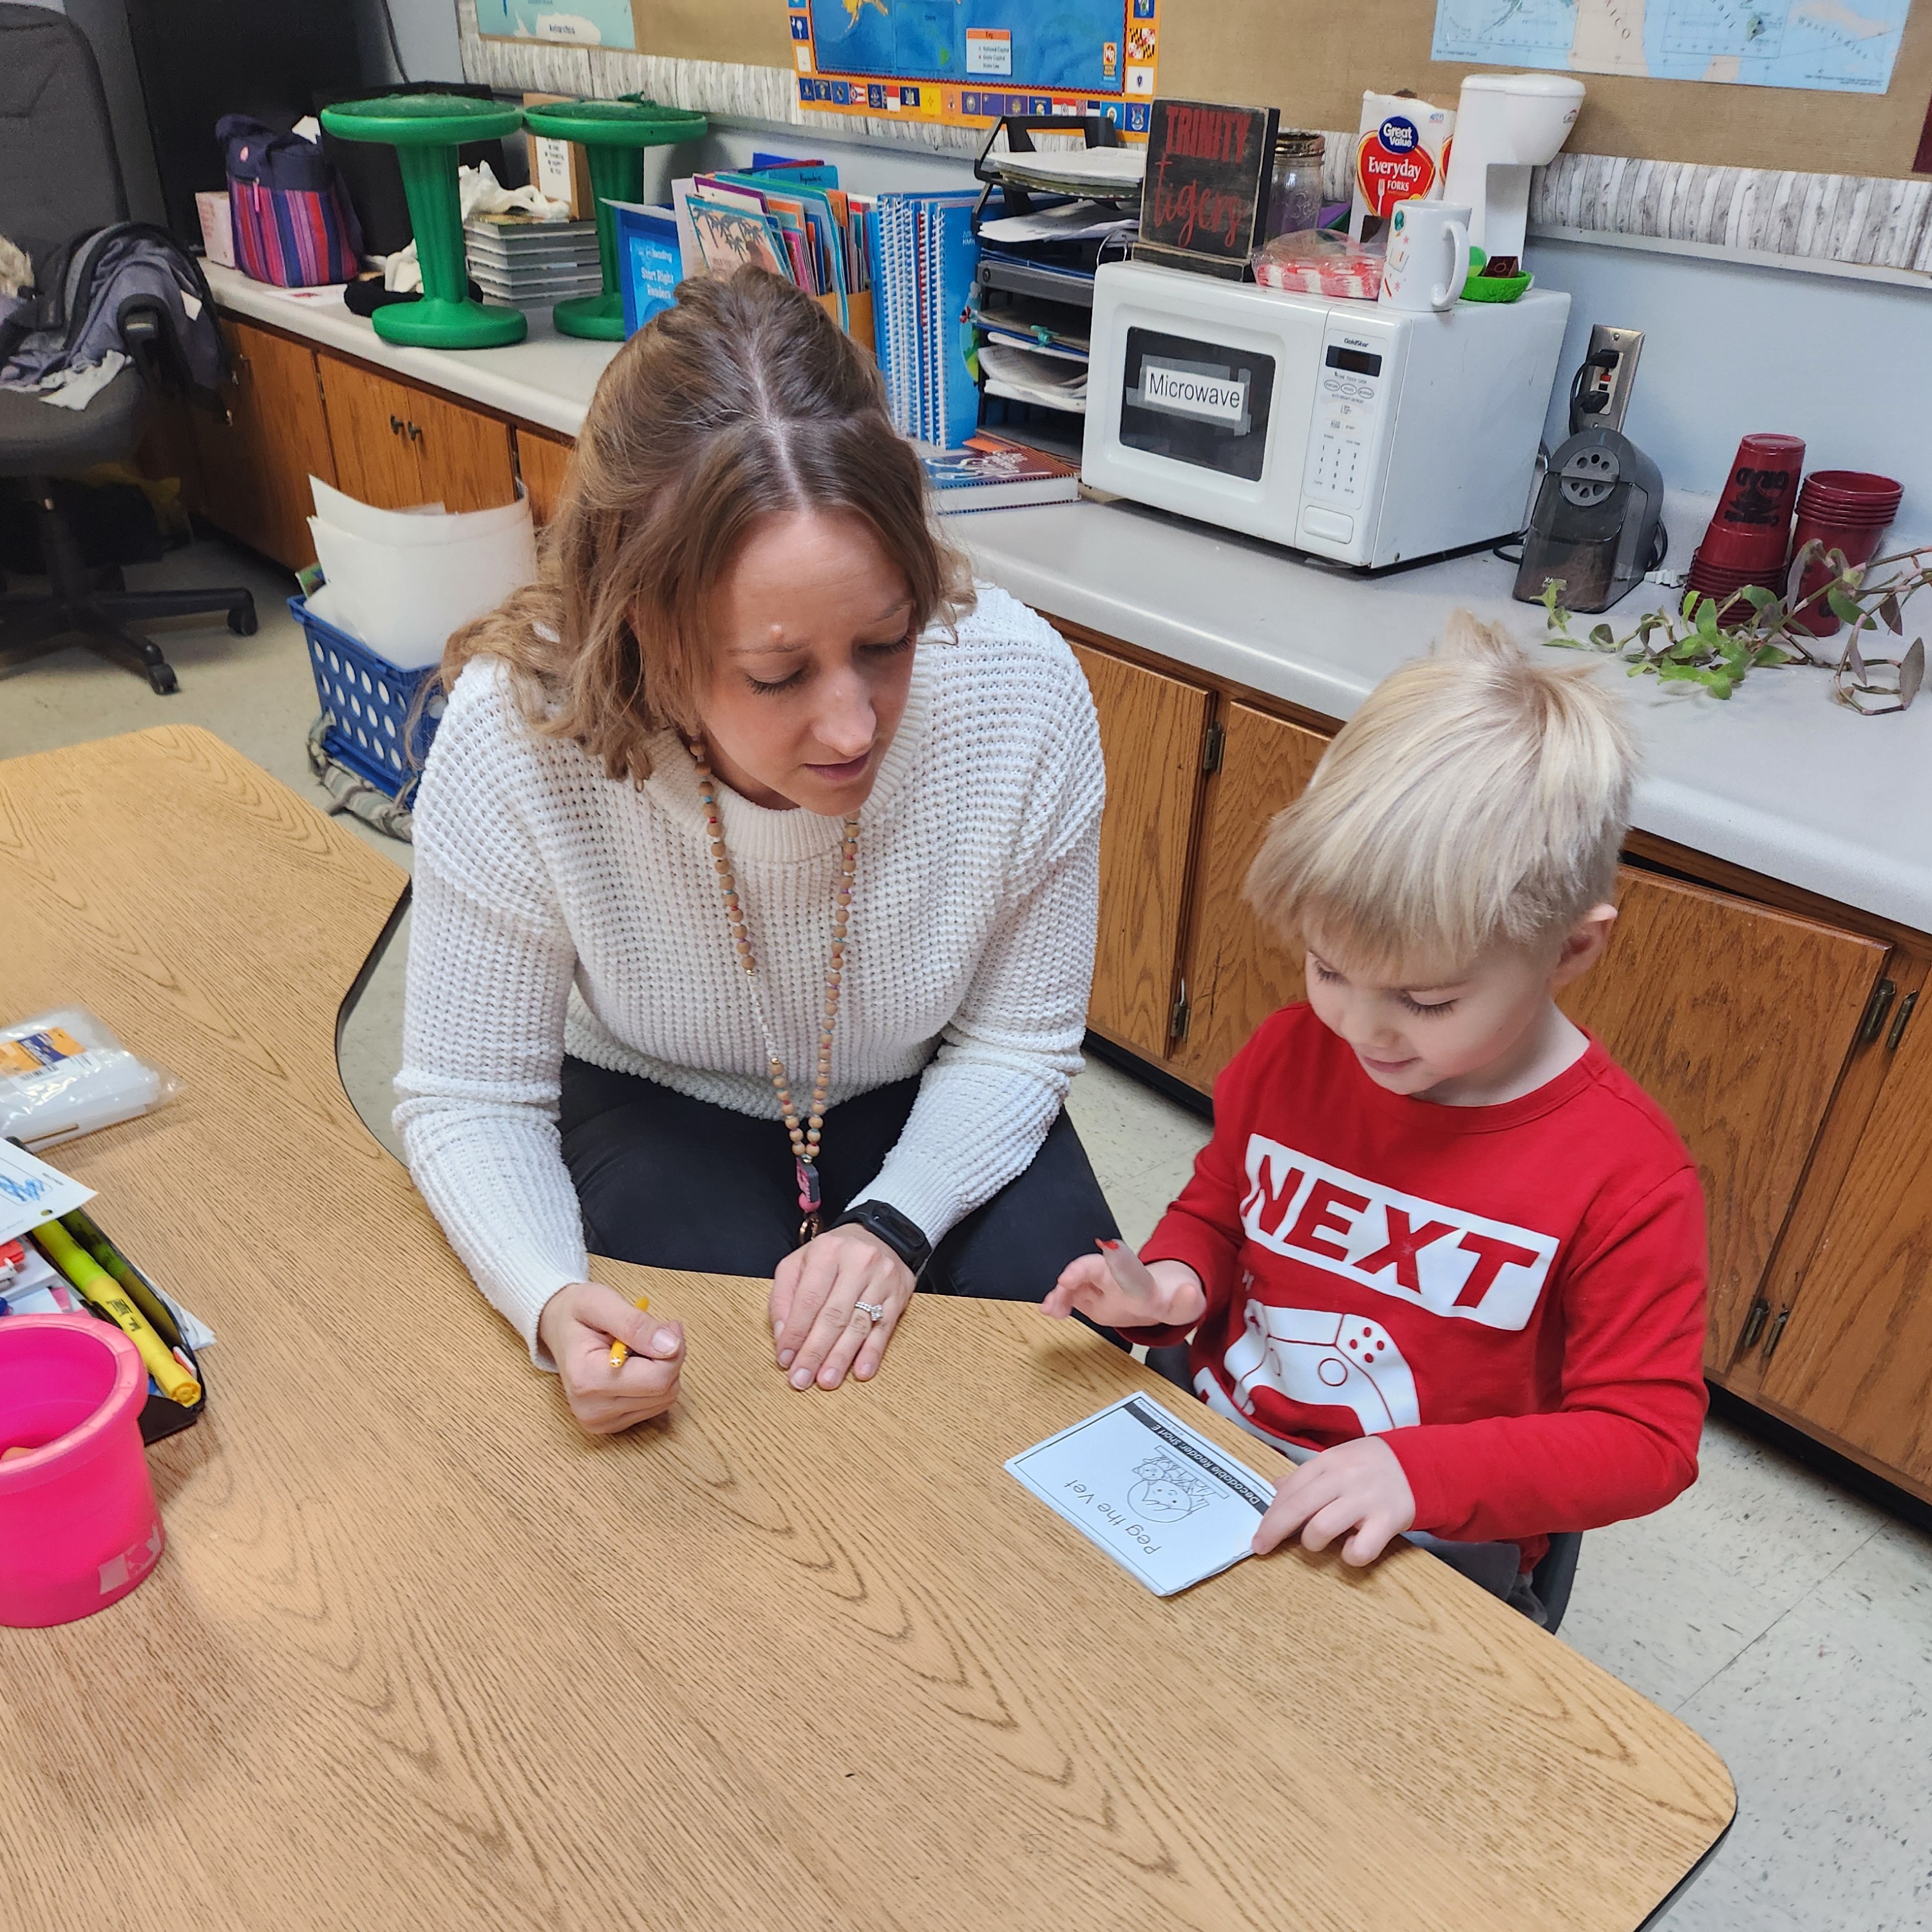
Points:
(755, 887)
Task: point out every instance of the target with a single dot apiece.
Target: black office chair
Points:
(60, 177)
(1551, 1579)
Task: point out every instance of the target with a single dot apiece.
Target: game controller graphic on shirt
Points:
(1311, 1355)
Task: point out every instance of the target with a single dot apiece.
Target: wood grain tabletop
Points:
(420, 1655)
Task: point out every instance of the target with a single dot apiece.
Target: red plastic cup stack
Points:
(1847, 510)
(1750, 529)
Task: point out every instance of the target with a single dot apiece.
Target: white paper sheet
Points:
(1163, 1502)
(31, 1192)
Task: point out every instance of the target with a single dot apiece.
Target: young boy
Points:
(1439, 1238)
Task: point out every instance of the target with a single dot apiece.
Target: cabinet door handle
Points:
(1776, 1334)
(395, 425)
(416, 434)
(1754, 1321)
(1897, 1032)
(1883, 994)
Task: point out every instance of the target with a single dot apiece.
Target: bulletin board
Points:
(1313, 59)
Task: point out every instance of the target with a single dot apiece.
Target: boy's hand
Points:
(1357, 1486)
(1116, 1289)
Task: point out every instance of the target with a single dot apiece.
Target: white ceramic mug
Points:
(1424, 237)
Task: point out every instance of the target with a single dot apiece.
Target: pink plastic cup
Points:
(79, 1528)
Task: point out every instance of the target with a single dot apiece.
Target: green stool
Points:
(614, 133)
(426, 129)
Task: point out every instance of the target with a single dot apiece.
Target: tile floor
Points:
(1789, 1622)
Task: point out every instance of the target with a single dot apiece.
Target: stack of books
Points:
(522, 262)
(990, 473)
(791, 218)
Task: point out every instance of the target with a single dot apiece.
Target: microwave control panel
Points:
(1349, 399)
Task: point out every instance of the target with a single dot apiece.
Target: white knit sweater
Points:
(557, 910)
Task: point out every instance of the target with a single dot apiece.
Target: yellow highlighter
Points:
(93, 1282)
(620, 1354)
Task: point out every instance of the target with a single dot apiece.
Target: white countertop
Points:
(1777, 778)
(547, 379)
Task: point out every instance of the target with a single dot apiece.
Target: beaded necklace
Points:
(805, 1134)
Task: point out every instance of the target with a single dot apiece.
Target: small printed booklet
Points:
(1162, 1501)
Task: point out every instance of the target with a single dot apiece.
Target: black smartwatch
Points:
(902, 1236)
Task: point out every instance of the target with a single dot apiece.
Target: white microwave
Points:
(1369, 434)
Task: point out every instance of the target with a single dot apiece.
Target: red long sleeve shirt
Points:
(1512, 1297)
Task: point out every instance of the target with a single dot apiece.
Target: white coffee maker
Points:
(1506, 124)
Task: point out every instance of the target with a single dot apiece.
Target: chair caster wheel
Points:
(243, 623)
(161, 677)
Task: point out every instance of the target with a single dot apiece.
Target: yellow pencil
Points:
(619, 1355)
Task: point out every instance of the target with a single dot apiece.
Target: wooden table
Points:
(420, 1655)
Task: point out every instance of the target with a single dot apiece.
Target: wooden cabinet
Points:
(543, 461)
(1152, 730)
(1854, 1363)
(397, 445)
(1236, 973)
(1738, 1020)
(253, 464)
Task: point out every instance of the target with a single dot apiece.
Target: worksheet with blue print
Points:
(590, 23)
(1825, 45)
(32, 1192)
(1162, 1501)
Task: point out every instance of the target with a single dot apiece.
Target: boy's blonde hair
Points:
(1477, 797)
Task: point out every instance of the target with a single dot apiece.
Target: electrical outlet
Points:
(1604, 382)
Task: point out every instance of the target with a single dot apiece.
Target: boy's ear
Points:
(1583, 946)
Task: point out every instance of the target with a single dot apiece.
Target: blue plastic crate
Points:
(368, 702)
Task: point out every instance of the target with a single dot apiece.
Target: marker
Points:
(1128, 1270)
(620, 1354)
(141, 1291)
(100, 1290)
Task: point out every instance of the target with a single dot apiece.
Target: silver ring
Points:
(875, 1310)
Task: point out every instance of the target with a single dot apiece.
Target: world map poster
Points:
(966, 62)
(1838, 46)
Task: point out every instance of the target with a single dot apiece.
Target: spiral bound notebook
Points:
(924, 255)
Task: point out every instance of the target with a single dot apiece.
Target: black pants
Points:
(677, 1182)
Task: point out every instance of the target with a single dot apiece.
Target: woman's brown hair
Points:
(743, 399)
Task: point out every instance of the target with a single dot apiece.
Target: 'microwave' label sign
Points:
(1200, 390)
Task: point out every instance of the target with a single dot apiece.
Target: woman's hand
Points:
(1356, 1487)
(1118, 1290)
(577, 1326)
(818, 1329)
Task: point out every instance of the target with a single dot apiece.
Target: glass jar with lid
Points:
(1294, 192)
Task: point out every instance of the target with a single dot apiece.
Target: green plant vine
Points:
(1714, 644)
